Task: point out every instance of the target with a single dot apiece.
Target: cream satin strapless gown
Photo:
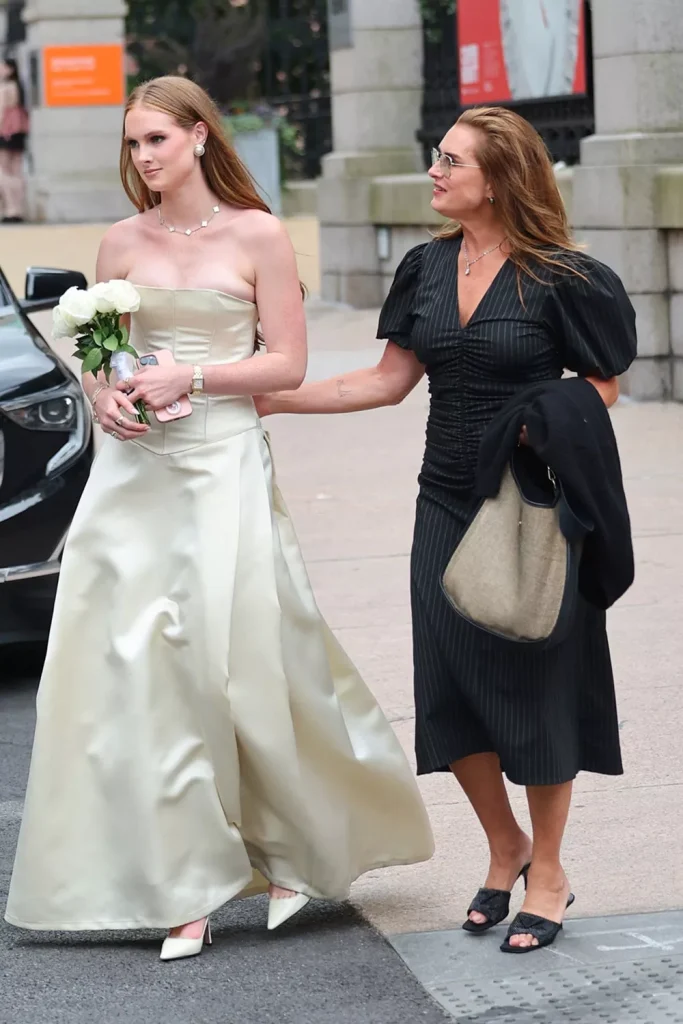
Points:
(199, 729)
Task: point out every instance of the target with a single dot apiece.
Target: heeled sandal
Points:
(494, 904)
(540, 928)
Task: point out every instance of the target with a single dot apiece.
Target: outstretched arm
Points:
(387, 383)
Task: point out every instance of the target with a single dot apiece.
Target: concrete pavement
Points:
(351, 484)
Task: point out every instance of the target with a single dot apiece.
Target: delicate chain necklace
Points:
(470, 263)
(189, 231)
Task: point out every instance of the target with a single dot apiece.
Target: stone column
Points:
(74, 149)
(376, 71)
(638, 53)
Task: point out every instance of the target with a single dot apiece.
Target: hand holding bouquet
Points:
(93, 318)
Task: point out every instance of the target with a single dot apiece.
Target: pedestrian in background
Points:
(14, 124)
(502, 299)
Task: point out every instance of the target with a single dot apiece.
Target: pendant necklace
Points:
(470, 263)
(190, 231)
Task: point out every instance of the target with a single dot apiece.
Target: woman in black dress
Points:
(500, 300)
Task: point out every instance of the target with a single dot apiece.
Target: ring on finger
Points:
(115, 434)
(119, 421)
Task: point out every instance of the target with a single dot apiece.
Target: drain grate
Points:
(626, 970)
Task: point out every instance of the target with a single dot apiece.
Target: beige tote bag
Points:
(513, 573)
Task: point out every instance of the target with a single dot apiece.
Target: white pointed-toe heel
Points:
(281, 908)
(177, 948)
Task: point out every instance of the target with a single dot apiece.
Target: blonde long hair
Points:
(187, 104)
(517, 164)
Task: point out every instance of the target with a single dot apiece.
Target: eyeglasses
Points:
(446, 163)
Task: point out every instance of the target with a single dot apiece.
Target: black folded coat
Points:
(570, 430)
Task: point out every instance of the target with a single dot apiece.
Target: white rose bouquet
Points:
(93, 318)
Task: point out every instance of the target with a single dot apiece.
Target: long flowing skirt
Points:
(200, 730)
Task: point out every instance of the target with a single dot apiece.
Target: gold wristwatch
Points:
(197, 380)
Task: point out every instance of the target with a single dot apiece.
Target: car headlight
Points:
(57, 413)
(60, 410)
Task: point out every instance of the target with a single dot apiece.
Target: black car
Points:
(46, 450)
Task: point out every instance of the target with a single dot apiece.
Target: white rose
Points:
(62, 325)
(77, 306)
(122, 295)
(104, 301)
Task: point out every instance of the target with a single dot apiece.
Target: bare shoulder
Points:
(117, 241)
(258, 228)
(123, 233)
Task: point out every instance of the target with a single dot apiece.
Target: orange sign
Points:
(83, 76)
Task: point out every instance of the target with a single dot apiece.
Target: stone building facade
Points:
(625, 198)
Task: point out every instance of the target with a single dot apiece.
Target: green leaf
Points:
(93, 360)
(107, 371)
(119, 336)
(111, 343)
(98, 337)
(129, 349)
(124, 334)
(79, 355)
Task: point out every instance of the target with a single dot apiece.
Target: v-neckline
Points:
(462, 326)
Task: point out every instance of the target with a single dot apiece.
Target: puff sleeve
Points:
(396, 317)
(594, 321)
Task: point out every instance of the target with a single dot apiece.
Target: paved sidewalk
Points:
(616, 970)
(350, 483)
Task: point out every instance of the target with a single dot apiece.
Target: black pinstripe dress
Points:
(547, 714)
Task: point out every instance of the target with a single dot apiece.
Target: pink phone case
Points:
(182, 407)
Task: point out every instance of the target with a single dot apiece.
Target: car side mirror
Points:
(45, 287)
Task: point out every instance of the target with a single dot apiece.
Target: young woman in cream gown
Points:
(201, 735)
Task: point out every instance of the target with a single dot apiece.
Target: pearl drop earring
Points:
(491, 200)
(199, 150)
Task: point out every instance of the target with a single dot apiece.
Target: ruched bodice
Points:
(200, 327)
(578, 321)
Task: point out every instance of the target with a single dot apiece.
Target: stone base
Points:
(677, 374)
(300, 199)
(362, 291)
(78, 199)
(351, 267)
(649, 379)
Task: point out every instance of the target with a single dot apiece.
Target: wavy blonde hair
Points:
(517, 164)
(187, 103)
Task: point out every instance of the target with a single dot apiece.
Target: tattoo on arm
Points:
(343, 390)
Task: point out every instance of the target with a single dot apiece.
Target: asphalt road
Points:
(327, 967)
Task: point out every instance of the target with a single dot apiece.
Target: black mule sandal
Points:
(494, 904)
(542, 929)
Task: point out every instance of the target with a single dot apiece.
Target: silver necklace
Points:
(470, 263)
(190, 231)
